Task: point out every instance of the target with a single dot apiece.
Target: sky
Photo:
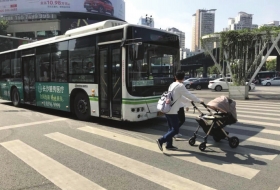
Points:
(178, 13)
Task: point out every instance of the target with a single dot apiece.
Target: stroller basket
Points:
(216, 131)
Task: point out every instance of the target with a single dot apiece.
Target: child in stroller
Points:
(213, 124)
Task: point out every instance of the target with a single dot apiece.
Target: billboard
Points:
(114, 8)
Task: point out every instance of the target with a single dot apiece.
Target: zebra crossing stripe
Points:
(245, 128)
(248, 138)
(57, 173)
(224, 146)
(256, 109)
(230, 168)
(256, 104)
(31, 124)
(135, 167)
(245, 121)
(258, 112)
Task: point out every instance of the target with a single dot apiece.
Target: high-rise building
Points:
(147, 21)
(180, 34)
(203, 24)
(241, 21)
(272, 23)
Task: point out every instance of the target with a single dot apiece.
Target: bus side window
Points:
(59, 62)
(6, 67)
(16, 66)
(43, 63)
(82, 60)
(1, 60)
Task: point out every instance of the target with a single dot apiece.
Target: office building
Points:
(272, 23)
(147, 21)
(203, 24)
(38, 20)
(241, 21)
(180, 34)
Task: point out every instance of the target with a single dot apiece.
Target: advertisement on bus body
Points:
(114, 8)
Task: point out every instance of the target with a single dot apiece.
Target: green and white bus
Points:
(102, 70)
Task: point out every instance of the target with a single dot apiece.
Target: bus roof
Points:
(99, 27)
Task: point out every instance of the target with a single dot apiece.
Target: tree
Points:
(5, 43)
(3, 27)
(271, 65)
(214, 70)
(241, 49)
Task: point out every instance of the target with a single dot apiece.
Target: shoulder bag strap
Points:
(172, 94)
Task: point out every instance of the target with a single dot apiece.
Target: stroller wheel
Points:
(216, 139)
(202, 146)
(233, 142)
(192, 141)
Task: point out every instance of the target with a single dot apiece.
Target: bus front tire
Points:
(82, 106)
(15, 97)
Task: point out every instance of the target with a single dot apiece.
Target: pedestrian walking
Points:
(179, 94)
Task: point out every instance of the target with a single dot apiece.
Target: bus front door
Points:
(29, 92)
(110, 92)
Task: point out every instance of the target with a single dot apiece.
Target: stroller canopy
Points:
(224, 105)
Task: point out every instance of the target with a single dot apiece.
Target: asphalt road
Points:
(269, 93)
(46, 150)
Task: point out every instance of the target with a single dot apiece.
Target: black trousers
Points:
(182, 117)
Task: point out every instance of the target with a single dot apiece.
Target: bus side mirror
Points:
(136, 52)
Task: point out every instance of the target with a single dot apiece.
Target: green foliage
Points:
(240, 48)
(5, 44)
(3, 27)
(200, 70)
(213, 70)
(271, 65)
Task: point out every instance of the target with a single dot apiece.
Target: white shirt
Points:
(182, 97)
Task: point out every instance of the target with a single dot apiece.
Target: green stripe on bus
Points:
(156, 97)
(139, 102)
(95, 98)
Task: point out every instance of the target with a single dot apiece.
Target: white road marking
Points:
(257, 109)
(30, 124)
(143, 170)
(57, 173)
(245, 128)
(230, 168)
(256, 103)
(250, 122)
(248, 138)
(256, 112)
(225, 146)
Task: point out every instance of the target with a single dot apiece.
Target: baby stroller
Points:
(213, 124)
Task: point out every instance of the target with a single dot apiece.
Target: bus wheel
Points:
(15, 97)
(82, 106)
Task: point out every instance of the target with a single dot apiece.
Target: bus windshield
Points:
(153, 74)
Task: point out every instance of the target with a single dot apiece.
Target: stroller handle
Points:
(204, 105)
(195, 108)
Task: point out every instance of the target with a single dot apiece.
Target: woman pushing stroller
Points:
(180, 97)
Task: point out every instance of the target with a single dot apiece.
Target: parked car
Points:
(102, 6)
(273, 81)
(188, 81)
(200, 83)
(220, 84)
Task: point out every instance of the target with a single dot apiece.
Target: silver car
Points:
(188, 82)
